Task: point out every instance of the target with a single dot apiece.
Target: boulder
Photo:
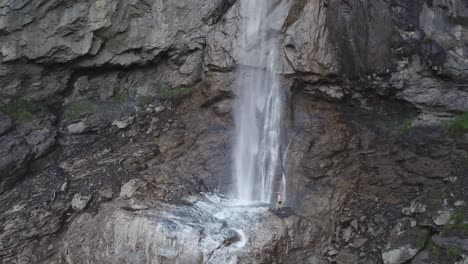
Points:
(122, 124)
(442, 217)
(80, 202)
(131, 187)
(77, 128)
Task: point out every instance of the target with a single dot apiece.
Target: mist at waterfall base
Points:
(257, 111)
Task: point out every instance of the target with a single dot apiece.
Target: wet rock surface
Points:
(201, 231)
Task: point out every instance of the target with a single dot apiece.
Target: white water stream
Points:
(258, 108)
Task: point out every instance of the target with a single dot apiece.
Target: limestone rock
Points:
(417, 207)
(159, 109)
(131, 187)
(121, 124)
(80, 202)
(106, 194)
(77, 128)
(442, 217)
(347, 234)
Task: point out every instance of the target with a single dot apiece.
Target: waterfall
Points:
(258, 107)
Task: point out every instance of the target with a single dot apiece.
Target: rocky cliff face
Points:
(112, 112)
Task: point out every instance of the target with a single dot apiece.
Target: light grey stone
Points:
(77, 128)
(442, 217)
(130, 188)
(80, 202)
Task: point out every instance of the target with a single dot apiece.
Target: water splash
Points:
(258, 107)
(212, 230)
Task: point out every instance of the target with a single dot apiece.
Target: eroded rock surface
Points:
(129, 103)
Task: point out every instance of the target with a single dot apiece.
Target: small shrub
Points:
(458, 126)
(76, 109)
(22, 110)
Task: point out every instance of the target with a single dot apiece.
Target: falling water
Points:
(258, 107)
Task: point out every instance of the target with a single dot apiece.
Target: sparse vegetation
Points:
(22, 110)
(433, 249)
(76, 109)
(403, 125)
(120, 98)
(458, 126)
(433, 199)
(144, 100)
(165, 92)
(454, 252)
(174, 93)
(428, 38)
(421, 238)
(458, 223)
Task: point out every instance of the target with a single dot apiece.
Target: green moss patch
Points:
(22, 110)
(433, 248)
(145, 99)
(165, 92)
(458, 224)
(458, 126)
(78, 108)
(174, 93)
